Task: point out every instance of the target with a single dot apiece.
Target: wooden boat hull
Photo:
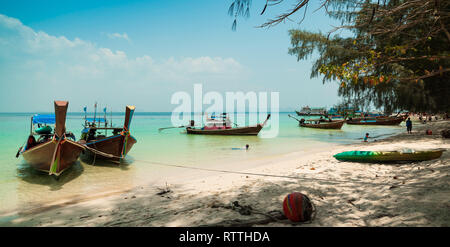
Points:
(371, 118)
(324, 125)
(111, 145)
(40, 157)
(378, 121)
(387, 156)
(252, 131)
(114, 147)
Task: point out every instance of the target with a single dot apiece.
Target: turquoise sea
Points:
(22, 187)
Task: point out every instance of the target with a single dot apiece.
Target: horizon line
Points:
(47, 112)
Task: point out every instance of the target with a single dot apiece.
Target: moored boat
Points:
(307, 111)
(333, 113)
(320, 123)
(323, 125)
(226, 130)
(388, 156)
(376, 121)
(113, 147)
(52, 152)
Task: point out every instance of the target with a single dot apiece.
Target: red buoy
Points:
(297, 207)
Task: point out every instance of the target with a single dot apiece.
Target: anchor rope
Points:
(336, 181)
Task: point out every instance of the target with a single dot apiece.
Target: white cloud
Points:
(118, 36)
(35, 63)
(23, 43)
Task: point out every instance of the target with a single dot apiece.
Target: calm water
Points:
(22, 186)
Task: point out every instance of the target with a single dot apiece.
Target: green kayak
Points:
(44, 130)
(388, 156)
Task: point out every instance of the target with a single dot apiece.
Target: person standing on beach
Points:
(409, 126)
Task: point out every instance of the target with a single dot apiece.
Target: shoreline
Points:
(192, 174)
(345, 194)
(169, 173)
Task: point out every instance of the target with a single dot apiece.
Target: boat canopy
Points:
(217, 120)
(44, 119)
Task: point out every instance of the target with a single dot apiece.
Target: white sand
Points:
(344, 194)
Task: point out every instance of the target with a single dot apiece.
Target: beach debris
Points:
(351, 201)
(84, 217)
(271, 216)
(297, 207)
(393, 187)
(164, 191)
(312, 168)
(242, 209)
(215, 204)
(383, 214)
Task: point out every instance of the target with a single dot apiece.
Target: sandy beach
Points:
(343, 193)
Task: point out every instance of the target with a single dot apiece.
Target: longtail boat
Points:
(389, 156)
(320, 123)
(113, 147)
(376, 121)
(52, 152)
(225, 129)
(323, 125)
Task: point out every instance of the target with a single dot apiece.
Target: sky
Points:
(140, 53)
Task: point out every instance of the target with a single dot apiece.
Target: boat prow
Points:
(41, 157)
(54, 153)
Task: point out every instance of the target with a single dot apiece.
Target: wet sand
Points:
(344, 194)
